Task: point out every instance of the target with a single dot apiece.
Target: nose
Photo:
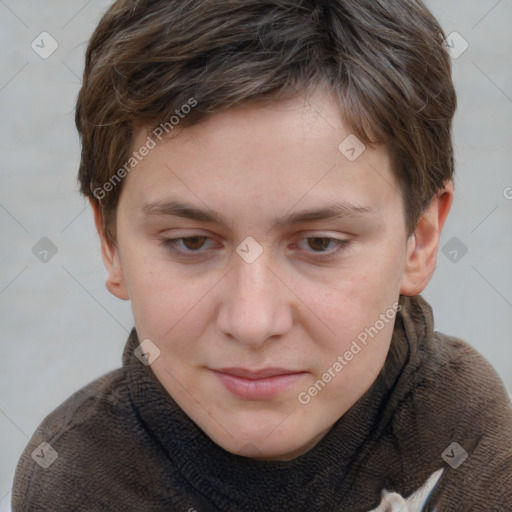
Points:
(255, 304)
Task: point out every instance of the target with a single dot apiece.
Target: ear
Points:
(423, 244)
(115, 282)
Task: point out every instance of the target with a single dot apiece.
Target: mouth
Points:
(260, 384)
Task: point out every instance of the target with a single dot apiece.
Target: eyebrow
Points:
(337, 210)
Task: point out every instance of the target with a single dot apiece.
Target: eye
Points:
(191, 244)
(320, 245)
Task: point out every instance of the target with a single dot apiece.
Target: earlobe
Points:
(423, 245)
(115, 281)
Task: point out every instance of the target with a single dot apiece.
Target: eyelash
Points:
(171, 243)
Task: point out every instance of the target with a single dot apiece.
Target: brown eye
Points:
(194, 243)
(187, 247)
(319, 243)
(322, 247)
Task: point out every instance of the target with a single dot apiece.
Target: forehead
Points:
(271, 159)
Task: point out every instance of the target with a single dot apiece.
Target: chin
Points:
(268, 450)
(270, 436)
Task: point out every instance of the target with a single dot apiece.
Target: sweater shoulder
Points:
(68, 439)
(452, 393)
(452, 363)
(87, 405)
(462, 418)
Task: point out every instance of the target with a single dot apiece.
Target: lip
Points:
(261, 384)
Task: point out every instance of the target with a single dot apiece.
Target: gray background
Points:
(60, 326)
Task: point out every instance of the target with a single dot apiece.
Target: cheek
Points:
(352, 299)
(382, 269)
(361, 325)
(165, 300)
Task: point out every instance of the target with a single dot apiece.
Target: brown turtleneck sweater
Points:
(123, 444)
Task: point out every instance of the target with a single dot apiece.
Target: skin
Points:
(285, 309)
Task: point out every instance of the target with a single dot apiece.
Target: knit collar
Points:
(282, 485)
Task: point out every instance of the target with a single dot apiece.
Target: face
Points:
(255, 255)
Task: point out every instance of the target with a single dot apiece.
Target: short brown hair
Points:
(384, 60)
